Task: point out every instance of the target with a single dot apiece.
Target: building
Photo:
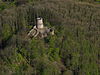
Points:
(40, 30)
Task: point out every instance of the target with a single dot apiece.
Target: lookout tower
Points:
(40, 23)
(40, 30)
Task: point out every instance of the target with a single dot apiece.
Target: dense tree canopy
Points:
(73, 50)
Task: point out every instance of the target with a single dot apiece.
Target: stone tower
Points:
(40, 30)
(40, 23)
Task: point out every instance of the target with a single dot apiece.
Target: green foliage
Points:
(4, 5)
(73, 50)
(6, 33)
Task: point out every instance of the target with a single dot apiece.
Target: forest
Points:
(73, 50)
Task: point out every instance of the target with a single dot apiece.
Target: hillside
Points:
(73, 50)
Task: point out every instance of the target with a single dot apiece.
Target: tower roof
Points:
(39, 18)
